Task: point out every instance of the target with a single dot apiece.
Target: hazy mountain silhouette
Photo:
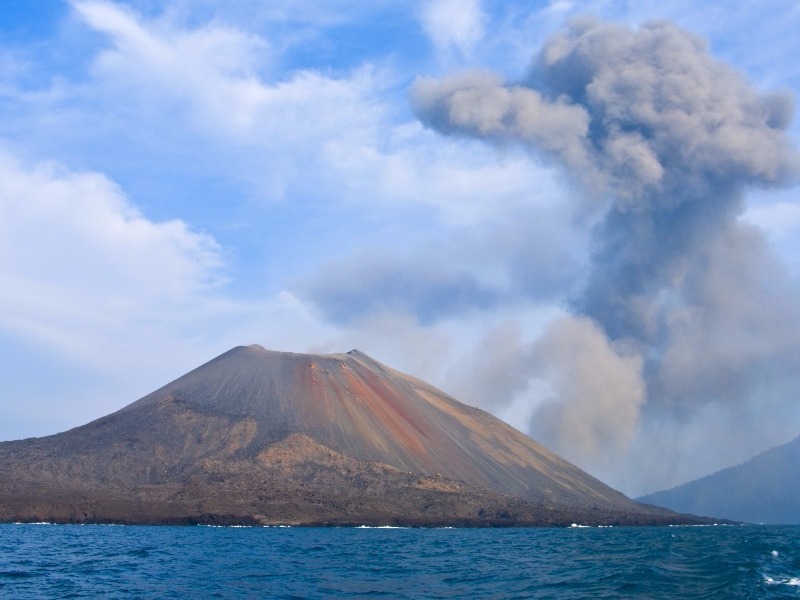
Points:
(275, 437)
(765, 489)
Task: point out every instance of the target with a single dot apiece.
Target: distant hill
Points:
(765, 489)
(263, 437)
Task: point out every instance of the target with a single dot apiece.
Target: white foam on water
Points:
(791, 581)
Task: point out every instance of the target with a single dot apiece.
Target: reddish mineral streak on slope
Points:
(359, 407)
(214, 426)
(389, 413)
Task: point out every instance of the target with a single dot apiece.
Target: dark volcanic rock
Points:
(256, 436)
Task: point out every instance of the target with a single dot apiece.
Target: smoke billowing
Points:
(597, 392)
(684, 312)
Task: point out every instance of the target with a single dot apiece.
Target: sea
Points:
(106, 561)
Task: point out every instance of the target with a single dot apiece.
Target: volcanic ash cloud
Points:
(663, 140)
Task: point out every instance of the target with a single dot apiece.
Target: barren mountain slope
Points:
(262, 436)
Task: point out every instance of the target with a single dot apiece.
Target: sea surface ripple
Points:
(71, 561)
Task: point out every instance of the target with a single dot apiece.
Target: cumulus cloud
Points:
(334, 136)
(77, 258)
(214, 83)
(665, 141)
(213, 69)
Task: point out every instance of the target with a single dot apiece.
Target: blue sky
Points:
(180, 177)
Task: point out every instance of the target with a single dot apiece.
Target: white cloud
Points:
(215, 78)
(213, 69)
(211, 80)
(305, 134)
(454, 24)
(79, 263)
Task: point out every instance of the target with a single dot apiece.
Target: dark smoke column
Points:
(664, 140)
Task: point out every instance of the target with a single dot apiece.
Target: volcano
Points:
(262, 437)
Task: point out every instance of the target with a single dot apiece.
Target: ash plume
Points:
(681, 296)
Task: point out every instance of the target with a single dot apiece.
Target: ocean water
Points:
(95, 561)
